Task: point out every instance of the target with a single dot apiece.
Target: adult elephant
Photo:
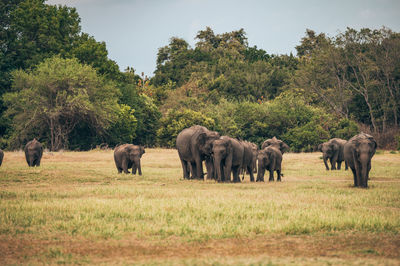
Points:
(277, 143)
(128, 156)
(332, 150)
(194, 146)
(33, 152)
(228, 156)
(1, 156)
(358, 152)
(248, 159)
(269, 158)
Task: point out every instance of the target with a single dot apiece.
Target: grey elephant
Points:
(228, 155)
(332, 150)
(1, 156)
(33, 152)
(248, 159)
(194, 146)
(358, 152)
(277, 143)
(128, 156)
(254, 149)
(270, 158)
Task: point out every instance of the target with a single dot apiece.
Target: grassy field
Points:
(76, 209)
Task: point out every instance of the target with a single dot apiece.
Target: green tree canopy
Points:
(51, 100)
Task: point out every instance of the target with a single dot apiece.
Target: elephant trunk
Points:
(260, 172)
(217, 169)
(364, 158)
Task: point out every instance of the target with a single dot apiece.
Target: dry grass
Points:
(75, 208)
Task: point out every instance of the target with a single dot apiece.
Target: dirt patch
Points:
(338, 246)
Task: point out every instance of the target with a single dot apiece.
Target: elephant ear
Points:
(228, 146)
(320, 147)
(373, 145)
(333, 146)
(201, 138)
(142, 151)
(283, 146)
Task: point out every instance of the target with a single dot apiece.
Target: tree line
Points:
(58, 84)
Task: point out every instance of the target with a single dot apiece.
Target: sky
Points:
(134, 30)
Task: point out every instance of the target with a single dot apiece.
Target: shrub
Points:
(307, 137)
(177, 120)
(124, 128)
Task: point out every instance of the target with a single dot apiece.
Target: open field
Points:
(76, 209)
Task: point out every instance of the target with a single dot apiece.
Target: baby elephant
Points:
(128, 156)
(33, 153)
(270, 158)
(332, 150)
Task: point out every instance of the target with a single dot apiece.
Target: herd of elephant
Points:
(226, 157)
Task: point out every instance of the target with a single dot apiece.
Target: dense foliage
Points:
(332, 88)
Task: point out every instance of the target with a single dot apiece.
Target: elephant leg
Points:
(119, 170)
(271, 175)
(235, 171)
(355, 177)
(134, 169)
(193, 168)
(326, 163)
(333, 163)
(250, 169)
(125, 165)
(185, 169)
(140, 168)
(346, 166)
(199, 168)
(279, 175)
(339, 165)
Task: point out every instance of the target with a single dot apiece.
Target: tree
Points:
(31, 31)
(51, 100)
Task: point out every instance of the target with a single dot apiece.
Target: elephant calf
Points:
(249, 158)
(128, 156)
(358, 152)
(270, 158)
(228, 157)
(1, 156)
(332, 150)
(33, 152)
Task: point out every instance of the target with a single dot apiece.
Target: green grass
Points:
(80, 197)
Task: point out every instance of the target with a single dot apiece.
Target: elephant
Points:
(254, 149)
(228, 156)
(194, 146)
(248, 159)
(1, 156)
(33, 152)
(333, 150)
(282, 146)
(270, 158)
(358, 152)
(128, 156)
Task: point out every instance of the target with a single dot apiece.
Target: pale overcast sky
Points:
(134, 29)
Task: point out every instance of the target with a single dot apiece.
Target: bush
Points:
(124, 128)
(306, 138)
(345, 129)
(177, 120)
